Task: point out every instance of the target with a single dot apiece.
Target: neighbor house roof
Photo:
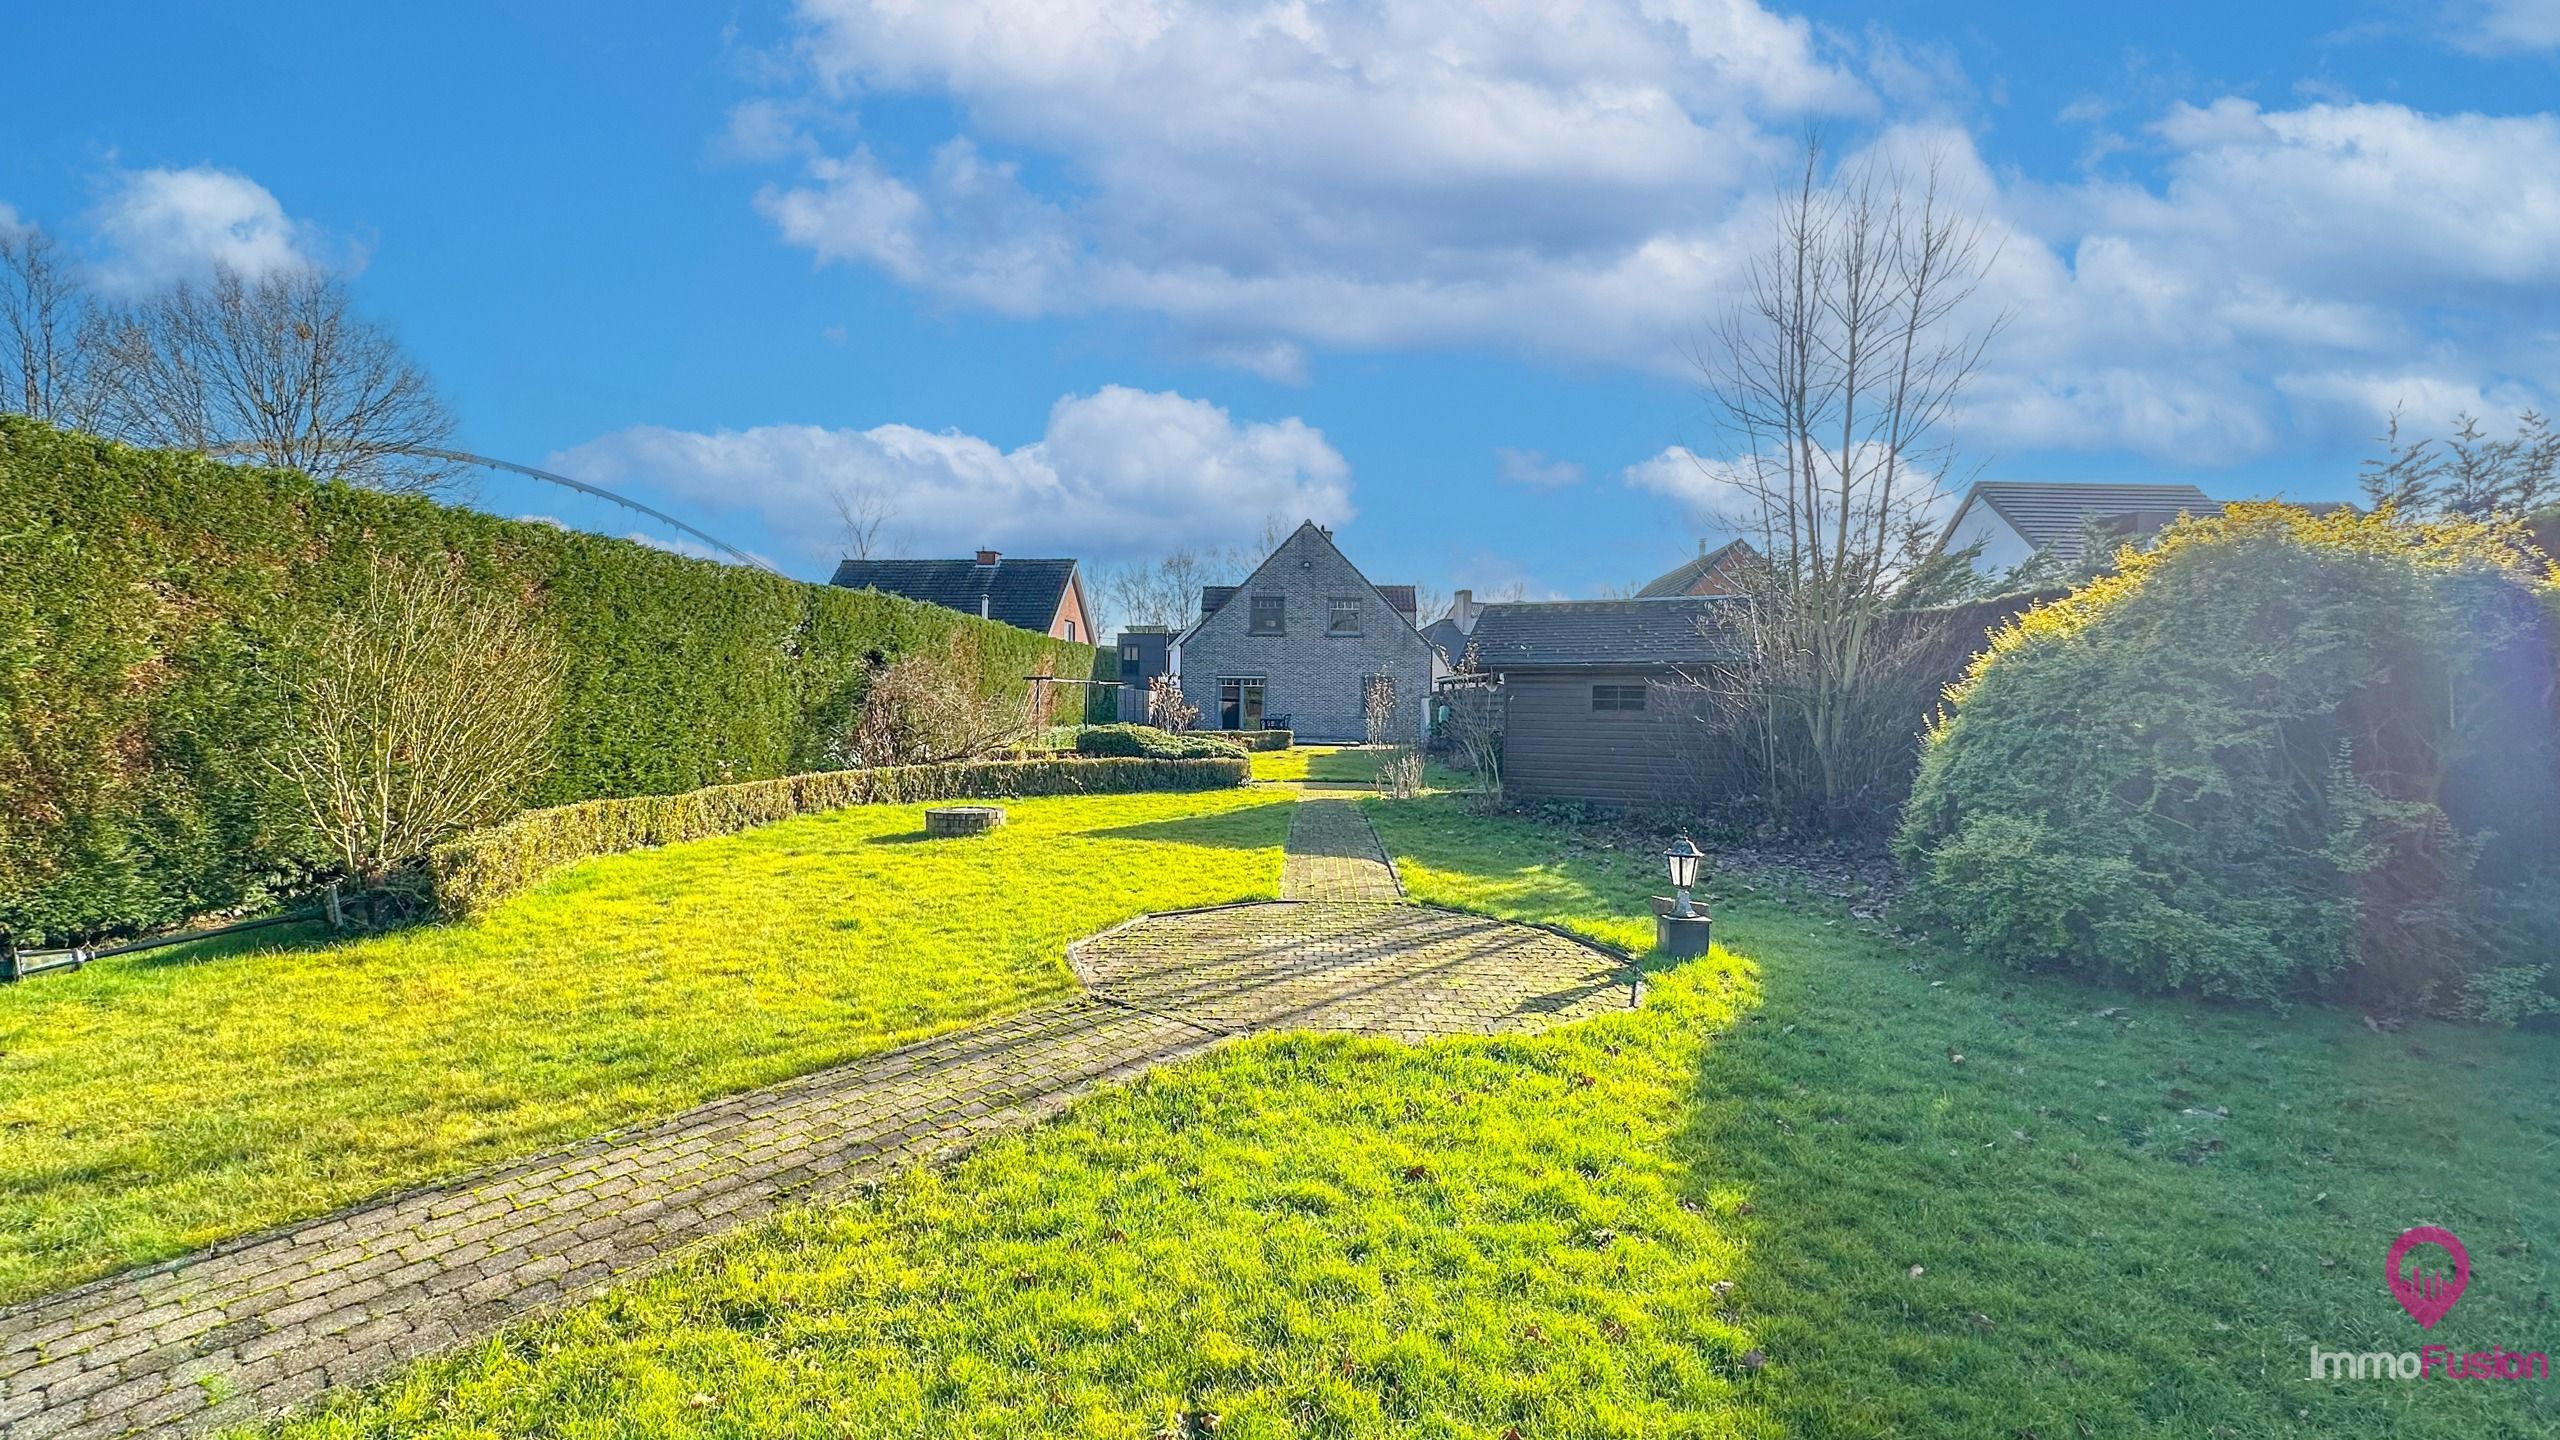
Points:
(1713, 568)
(2052, 514)
(1567, 634)
(1447, 638)
(1024, 593)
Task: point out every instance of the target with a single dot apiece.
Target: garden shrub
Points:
(2279, 755)
(472, 873)
(1148, 742)
(155, 608)
(1252, 739)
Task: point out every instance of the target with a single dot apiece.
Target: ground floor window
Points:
(1239, 703)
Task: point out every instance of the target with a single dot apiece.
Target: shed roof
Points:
(1585, 634)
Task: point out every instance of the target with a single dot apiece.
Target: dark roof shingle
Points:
(1733, 555)
(1022, 593)
(2052, 513)
(1673, 630)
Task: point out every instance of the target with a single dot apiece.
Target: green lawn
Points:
(1344, 765)
(1822, 1185)
(152, 1104)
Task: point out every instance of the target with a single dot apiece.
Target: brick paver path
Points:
(255, 1325)
(1334, 855)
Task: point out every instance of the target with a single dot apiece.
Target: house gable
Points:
(1305, 670)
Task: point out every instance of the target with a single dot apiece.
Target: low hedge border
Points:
(1253, 739)
(1149, 743)
(470, 874)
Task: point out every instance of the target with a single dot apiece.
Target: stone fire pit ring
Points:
(944, 822)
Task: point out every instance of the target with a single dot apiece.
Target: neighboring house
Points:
(1301, 640)
(1725, 570)
(1146, 651)
(1448, 634)
(1046, 596)
(2017, 520)
(1597, 694)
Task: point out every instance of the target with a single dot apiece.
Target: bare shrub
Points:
(1399, 759)
(933, 706)
(1167, 709)
(426, 710)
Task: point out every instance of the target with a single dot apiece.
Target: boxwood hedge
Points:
(152, 602)
(478, 870)
(1149, 743)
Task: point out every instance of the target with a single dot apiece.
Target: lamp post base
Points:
(1677, 936)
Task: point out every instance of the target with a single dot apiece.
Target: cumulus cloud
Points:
(155, 227)
(1586, 181)
(1119, 473)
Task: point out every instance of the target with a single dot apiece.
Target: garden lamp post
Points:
(1681, 930)
(1682, 859)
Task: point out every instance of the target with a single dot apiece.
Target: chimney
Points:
(983, 612)
(988, 557)
(1462, 608)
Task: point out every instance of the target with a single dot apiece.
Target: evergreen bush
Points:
(1149, 743)
(2279, 755)
(155, 607)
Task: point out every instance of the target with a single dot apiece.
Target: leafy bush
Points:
(2278, 755)
(1148, 742)
(471, 874)
(156, 609)
(1252, 739)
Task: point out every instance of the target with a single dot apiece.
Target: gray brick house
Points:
(1301, 640)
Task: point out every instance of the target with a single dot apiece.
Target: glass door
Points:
(1239, 704)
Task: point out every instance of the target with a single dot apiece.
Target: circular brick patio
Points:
(1407, 971)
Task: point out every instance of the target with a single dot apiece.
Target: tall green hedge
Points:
(151, 604)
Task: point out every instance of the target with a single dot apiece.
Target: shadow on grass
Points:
(1259, 827)
(1978, 1203)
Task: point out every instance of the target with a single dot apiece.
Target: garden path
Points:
(250, 1327)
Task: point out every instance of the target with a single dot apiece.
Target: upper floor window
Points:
(1071, 630)
(1344, 618)
(1270, 615)
(1617, 697)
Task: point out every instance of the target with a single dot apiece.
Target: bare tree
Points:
(1833, 382)
(51, 334)
(278, 370)
(425, 710)
(864, 511)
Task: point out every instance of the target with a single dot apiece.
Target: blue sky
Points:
(1099, 277)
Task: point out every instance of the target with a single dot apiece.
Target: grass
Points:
(1774, 1202)
(1344, 765)
(153, 1104)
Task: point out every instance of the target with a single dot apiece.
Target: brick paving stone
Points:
(1333, 854)
(262, 1323)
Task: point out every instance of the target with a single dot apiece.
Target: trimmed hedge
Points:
(152, 605)
(1146, 742)
(471, 874)
(1252, 739)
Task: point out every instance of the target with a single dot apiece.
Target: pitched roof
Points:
(1669, 630)
(2051, 514)
(1447, 638)
(1212, 597)
(1024, 593)
(1683, 579)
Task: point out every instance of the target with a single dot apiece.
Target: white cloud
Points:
(1712, 491)
(159, 226)
(1532, 470)
(1583, 181)
(2497, 27)
(1118, 473)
